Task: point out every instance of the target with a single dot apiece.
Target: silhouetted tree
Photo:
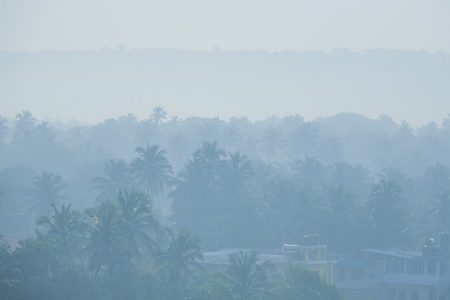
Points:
(45, 191)
(116, 178)
(151, 169)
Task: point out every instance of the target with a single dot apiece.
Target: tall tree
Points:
(107, 242)
(64, 226)
(238, 172)
(386, 212)
(246, 277)
(271, 142)
(137, 221)
(231, 139)
(178, 260)
(158, 115)
(116, 178)
(24, 123)
(45, 191)
(152, 169)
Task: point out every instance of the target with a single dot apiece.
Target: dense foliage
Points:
(118, 205)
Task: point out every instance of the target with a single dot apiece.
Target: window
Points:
(414, 295)
(357, 273)
(415, 267)
(394, 265)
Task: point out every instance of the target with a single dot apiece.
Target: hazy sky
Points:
(294, 25)
(230, 24)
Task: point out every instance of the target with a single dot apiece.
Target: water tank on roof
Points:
(290, 248)
(311, 240)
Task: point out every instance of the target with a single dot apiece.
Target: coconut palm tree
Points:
(64, 226)
(24, 122)
(271, 142)
(137, 221)
(158, 115)
(247, 278)
(302, 141)
(238, 172)
(151, 169)
(208, 160)
(107, 241)
(386, 213)
(177, 262)
(45, 191)
(116, 178)
(184, 252)
(231, 139)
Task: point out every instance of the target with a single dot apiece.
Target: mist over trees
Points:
(128, 206)
(96, 84)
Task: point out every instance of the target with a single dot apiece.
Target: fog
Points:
(224, 150)
(89, 86)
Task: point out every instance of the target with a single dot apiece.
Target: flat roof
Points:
(395, 251)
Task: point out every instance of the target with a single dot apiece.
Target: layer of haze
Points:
(293, 25)
(201, 25)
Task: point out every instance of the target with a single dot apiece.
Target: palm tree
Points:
(386, 212)
(208, 160)
(23, 127)
(231, 139)
(209, 132)
(45, 133)
(238, 172)
(64, 226)
(152, 169)
(107, 242)
(45, 191)
(24, 122)
(247, 278)
(137, 221)
(309, 172)
(271, 142)
(158, 115)
(302, 141)
(177, 262)
(116, 178)
(184, 251)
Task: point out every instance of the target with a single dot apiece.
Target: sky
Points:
(294, 25)
(273, 26)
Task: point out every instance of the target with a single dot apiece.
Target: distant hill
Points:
(93, 85)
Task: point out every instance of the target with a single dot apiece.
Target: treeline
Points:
(115, 203)
(361, 182)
